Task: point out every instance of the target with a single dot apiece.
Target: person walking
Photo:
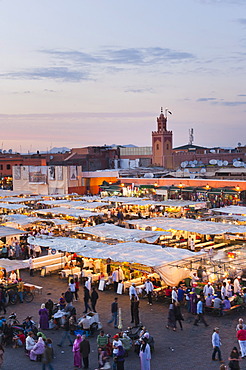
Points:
(149, 287)
(48, 355)
(145, 354)
(76, 282)
(200, 314)
(241, 337)
(136, 311)
(171, 321)
(85, 351)
(114, 312)
(77, 360)
(31, 266)
(86, 299)
(234, 359)
(94, 298)
(43, 318)
(216, 343)
(1, 354)
(178, 315)
(66, 334)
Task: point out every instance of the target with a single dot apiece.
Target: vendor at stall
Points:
(13, 276)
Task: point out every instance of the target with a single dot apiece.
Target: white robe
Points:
(145, 358)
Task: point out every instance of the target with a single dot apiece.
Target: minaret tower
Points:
(162, 143)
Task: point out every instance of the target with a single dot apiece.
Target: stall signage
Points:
(53, 251)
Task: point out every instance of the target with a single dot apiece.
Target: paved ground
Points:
(192, 346)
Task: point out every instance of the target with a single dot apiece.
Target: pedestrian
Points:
(85, 351)
(76, 281)
(102, 359)
(234, 359)
(171, 321)
(49, 305)
(1, 354)
(116, 343)
(48, 355)
(149, 287)
(86, 299)
(115, 279)
(66, 333)
(216, 343)
(200, 314)
(43, 317)
(72, 287)
(240, 322)
(68, 296)
(178, 315)
(136, 311)
(94, 298)
(120, 358)
(2, 301)
(31, 266)
(241, 337)
(145, 354)
(114, 312)
(77, 360)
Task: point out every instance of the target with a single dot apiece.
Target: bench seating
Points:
(218, 312)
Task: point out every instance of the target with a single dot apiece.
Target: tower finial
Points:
(161, 110)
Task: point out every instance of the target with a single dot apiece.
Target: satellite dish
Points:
(183, 164)
(190, 163)
(149, 175)
(186, 163)
(195, 161)
(212, 151)
(186, 170)
(225, 163)
(237, 164)
(192, 176)
(234, 160)
(193, 165)
(220, 163)
(203, 170)
(213, 161)
(179, 170)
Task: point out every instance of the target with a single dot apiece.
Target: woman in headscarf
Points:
(144, 354)
(77, 361)
(171, 320)
(120, 358)
(38, 349)
(234, 359)
(43, 317)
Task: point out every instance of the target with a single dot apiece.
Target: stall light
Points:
(181, 185)
(122, 185)
(207, 187)
(155, 184)
(237, 188)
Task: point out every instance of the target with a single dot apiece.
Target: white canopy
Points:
(237, 210)
(67, 212)
(110, 231)
(7, 231)
(12, 206)
(145, 254)
(74, 204)
(23, 220)
(20, 200)
(194, 226)
(10, 265)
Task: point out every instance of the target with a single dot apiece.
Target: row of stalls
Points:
(147, 237)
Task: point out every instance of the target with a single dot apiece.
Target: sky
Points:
(95, 72)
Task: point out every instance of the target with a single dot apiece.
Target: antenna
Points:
(191, 136)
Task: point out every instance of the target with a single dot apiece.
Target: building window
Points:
(8, 166)
(167, 146)
(157, 146)
(1, 167)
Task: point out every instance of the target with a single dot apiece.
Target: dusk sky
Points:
(78, 73)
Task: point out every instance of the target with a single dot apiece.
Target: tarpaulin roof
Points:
(195, 226)
(12, 206)
(238, 210)
(6, 231)
(10, 265)
(132, 252)
(23, 220)
(68, 212)
(110, 231)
